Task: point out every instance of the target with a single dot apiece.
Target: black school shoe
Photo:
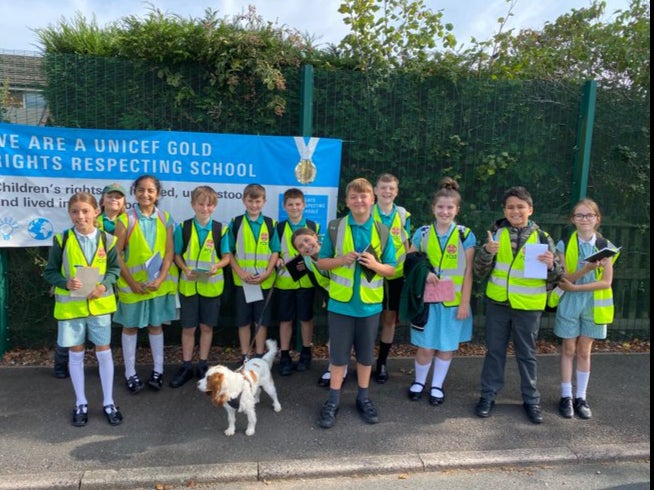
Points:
(303, 363)
(367, 411)
(156, 380)
(285, 367)
(134, 384)
(60, 370)
(381, 374)
(80, 415)
(327, 416)
(181, 377)
(114, 417)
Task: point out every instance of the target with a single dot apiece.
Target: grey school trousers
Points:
(504, 323)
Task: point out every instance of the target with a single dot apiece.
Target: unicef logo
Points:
(40, 228)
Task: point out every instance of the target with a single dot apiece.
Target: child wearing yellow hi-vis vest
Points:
(586, 307)
(147, 285)
(79, 254)
(201, 254)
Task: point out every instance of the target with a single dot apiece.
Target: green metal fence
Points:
(489, 135)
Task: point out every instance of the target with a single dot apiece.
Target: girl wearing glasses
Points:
(586, 307)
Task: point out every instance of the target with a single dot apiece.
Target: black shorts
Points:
(198, 309)
(392, 292)
(346, 332)
(249, 313)
(295, 304)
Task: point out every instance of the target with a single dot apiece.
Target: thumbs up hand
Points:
(491, 245)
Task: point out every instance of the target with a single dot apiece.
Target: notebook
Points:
(296, 267)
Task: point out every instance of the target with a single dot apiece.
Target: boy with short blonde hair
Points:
(357, 260)
(201, 253)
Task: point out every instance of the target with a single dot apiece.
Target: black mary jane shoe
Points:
(436, 400)
(414, 396)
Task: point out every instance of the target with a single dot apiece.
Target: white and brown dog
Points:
(238, 391)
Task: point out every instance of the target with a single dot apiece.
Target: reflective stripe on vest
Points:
(450, 264)
(507, 281)
(603, 309)
(67, 306)
(342, 278)
(138, 252)
(253, 255)
(398, 233)
(204, 257)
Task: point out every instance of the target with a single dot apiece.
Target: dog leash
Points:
(258, 324)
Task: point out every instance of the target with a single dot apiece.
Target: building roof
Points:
(22, 71)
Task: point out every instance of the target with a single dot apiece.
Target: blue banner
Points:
(41, 167)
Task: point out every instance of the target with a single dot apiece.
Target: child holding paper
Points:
(450, 249)
(514, 303)
(587, 305)
(147, 284)
(201, 253)
(254, 248)
(84, 248)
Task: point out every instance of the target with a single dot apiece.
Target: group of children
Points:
(360, 263)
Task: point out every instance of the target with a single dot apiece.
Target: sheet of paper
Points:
(90, 276)
(252, 292)
(534, 269)
(153, 266)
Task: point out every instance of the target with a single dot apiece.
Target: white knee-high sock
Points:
(440, 373)
(582, 384)
(566, 390)
(76, 369)
(129, 354)
(106, 370)
(441, 368)
(157, 349)
(422, 370)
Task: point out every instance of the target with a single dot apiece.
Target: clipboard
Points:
(296, 267)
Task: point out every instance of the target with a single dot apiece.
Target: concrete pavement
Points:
(175, 437)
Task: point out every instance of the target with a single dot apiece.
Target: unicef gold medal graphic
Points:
(305, 171)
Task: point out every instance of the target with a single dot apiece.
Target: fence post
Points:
(306, 102)
(4, 302)
(584, 141)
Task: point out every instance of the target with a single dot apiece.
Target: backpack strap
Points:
(64, 238)
(216, 232)
(186, 234)
(382, 230)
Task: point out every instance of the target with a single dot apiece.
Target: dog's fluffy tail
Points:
(269, 356)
